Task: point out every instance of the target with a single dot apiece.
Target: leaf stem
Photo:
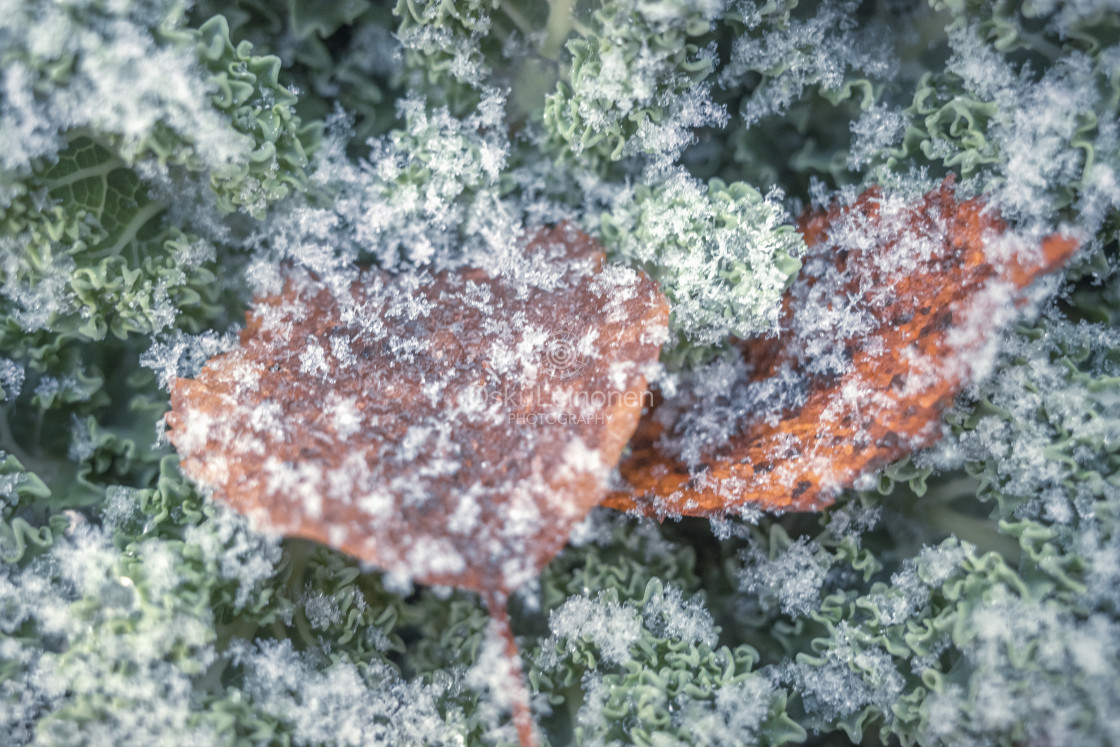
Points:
(517, 18)
(561, 17)
(496, 603)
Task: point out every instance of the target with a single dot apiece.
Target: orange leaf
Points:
(894, 313)
(450, 428)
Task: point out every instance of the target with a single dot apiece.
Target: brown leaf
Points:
(451, 428)
(895, 311)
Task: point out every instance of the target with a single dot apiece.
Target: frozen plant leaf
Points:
(894, 313)
(450, 428)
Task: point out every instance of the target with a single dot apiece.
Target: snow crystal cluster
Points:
(820, 51)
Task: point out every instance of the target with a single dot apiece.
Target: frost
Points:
(1035, 134)
(741, 709)
(238, 554)
(846, 677)
(910, 587)
(12, 376)
(1030, 149)
(181, 354)
(852, 520)
(721, 253)
(1068, 14)
(340, 703)
(820, 51)
(637, 87)
(122, 82)
(120, 507)
(878, 128)
(321, 610)
(412, 201)
(1001, 625)
(792, 579)
(313, 360)
(613, 627)
(669, 616)
(101, 664)
(608, 625)
(1019, 445)
(490, 677)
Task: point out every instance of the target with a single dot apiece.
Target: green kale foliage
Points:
(159, 162)
(723, 272)
(339, 52)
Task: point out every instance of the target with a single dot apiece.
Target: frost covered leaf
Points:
(450, 428)
(723, 254)
(637, 84)
(893, 315)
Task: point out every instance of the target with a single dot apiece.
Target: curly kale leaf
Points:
(638, 83)
(85, 253)
(336, 53)
(107, 131)
(722, 254)
(1026, 104)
